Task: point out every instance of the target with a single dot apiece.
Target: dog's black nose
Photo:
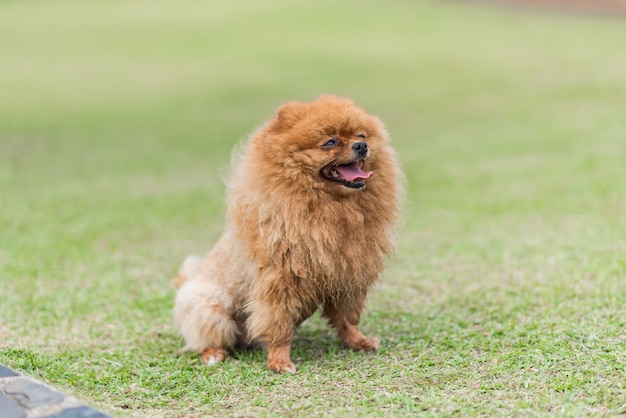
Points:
(360, 148)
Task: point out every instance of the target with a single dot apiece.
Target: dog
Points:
(313, 200)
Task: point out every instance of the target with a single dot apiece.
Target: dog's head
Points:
(330, 143)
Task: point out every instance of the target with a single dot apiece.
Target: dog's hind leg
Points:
(202, 313)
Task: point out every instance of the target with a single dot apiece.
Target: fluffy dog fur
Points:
(306, 227)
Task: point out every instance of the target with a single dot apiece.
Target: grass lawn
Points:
(507, 296)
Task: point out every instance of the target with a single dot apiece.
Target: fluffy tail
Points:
(189, 267)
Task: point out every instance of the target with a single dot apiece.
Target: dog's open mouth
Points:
(350, 175)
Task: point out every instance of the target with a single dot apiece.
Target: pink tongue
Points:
(351, 172)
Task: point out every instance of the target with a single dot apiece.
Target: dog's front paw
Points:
(281, 366)
(365, 344)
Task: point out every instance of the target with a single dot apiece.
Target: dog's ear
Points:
(288, 114)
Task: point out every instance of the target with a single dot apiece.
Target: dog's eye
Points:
(362, 136)
(330, 143)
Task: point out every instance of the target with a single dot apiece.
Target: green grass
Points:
(507, 296)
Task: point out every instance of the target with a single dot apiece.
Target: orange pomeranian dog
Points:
(312, 204)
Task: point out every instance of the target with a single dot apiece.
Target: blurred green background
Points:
(116, 123)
